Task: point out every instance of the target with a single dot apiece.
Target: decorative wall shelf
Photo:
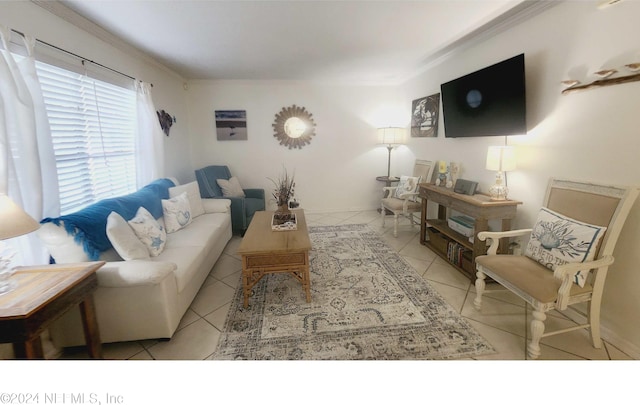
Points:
(604, 82)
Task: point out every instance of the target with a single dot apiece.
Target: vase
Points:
(283, 210)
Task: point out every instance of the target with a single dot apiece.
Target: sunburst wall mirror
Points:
(294, 127)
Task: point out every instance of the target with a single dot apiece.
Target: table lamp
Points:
(501, 159)
(13, 222)
(390, 136)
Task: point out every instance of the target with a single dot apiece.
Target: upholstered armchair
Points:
(402, 200)
(567, 257)
(242, 206)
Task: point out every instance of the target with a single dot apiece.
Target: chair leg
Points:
(537, 330)
(593, 317)
(395, 225)
(480, 284)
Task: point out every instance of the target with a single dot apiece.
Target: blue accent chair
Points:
(242, 209)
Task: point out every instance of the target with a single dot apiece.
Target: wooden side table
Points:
(43, 294)
(388, 180)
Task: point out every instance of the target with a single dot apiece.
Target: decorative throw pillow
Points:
(193, 194)
(124, 239)
(150, 233)
(231, 187)
(557, 240)
(176, 212)
(407, 184)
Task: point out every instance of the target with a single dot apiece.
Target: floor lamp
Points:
(390, 136)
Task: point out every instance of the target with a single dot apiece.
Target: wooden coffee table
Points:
(265, 251)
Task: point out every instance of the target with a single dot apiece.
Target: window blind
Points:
(93, 131)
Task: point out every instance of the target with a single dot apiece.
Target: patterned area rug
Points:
(367, 303)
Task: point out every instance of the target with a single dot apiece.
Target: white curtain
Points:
(149, 139)
(27, 163)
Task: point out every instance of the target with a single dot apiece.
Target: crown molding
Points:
(522, 12)
(58, 9)
(511, 18)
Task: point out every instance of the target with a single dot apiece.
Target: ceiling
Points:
(344, 41)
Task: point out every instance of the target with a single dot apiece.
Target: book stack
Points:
(455, 252)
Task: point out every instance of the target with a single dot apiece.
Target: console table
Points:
(42, 294)
(442, 239)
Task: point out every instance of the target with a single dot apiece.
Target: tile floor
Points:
(503, 321)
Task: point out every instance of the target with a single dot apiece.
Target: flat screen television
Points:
(488, 102)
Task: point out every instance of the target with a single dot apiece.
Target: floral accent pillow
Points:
(407, 184)
(557, 240)
(231, 187)
(176, 212)
(149, 231)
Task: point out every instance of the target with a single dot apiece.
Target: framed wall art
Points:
(166, 121)
(231, 125)
(424, 116)
(294, 126)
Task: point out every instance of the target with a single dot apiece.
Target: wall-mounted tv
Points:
(488, 102)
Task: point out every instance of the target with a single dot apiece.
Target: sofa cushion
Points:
(528, 276)
(397, 204)
(202, 232)
(133, 273)
(188, 260)
(231, 187)
(557, 240)
(189, 247)
(149, 231)
(124, 239)
(212, 205)
(193, 194)
(177, 212)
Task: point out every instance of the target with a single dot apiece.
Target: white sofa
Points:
(144, 298)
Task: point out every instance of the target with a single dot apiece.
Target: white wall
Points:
(591, 135)
(336, 171)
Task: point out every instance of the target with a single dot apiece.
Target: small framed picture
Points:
(424, 116)
(231, 125)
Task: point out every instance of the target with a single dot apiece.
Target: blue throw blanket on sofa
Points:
(89, 225)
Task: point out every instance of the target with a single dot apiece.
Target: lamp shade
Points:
(13, 220)
(501, 158)
(391, 135)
